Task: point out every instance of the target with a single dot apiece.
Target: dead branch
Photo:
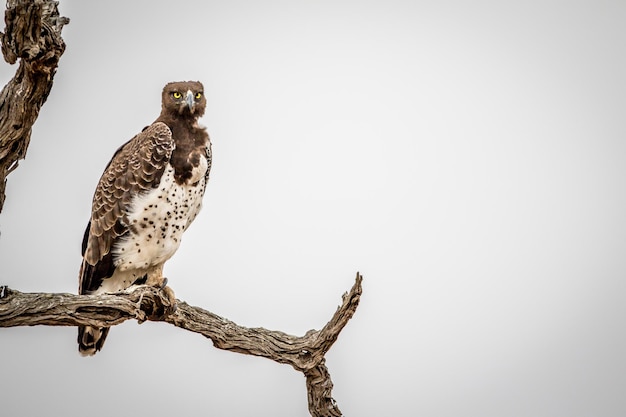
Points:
(32, 35)
(304, 353)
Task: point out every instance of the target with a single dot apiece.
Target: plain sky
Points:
(468, 158)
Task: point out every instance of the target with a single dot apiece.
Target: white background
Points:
(467, 157)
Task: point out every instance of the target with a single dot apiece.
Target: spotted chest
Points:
(157, 220)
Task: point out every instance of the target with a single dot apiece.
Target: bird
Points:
(149, 194)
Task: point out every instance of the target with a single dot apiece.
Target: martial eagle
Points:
(148, 195)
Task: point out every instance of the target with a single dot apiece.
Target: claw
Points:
(164, 283)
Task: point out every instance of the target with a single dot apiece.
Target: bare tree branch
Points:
(32, 35)
(304, 353)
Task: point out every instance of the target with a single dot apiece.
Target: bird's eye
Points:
(176, 95)
(198, 95)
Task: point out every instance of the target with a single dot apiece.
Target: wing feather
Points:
(136, 167)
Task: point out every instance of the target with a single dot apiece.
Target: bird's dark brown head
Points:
(183, 99)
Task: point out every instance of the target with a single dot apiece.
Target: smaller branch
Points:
(304, 353)
(329, 333)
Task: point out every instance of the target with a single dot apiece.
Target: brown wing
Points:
(137, 166)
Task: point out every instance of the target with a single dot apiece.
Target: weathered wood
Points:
(319, 388)
(304, 353)
(33, 35)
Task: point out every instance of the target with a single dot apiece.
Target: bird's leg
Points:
(156, 279)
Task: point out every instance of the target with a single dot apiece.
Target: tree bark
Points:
(32, 35)
(304, 353)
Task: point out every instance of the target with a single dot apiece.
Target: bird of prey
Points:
(148, 195)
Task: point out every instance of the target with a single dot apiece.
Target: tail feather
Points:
(91, 339)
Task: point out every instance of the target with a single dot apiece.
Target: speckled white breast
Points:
(158, 220)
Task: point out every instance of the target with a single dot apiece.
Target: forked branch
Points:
(304, 353)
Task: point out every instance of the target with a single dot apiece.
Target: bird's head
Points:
(184, 98)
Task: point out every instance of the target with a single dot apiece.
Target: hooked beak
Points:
(190, 102)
